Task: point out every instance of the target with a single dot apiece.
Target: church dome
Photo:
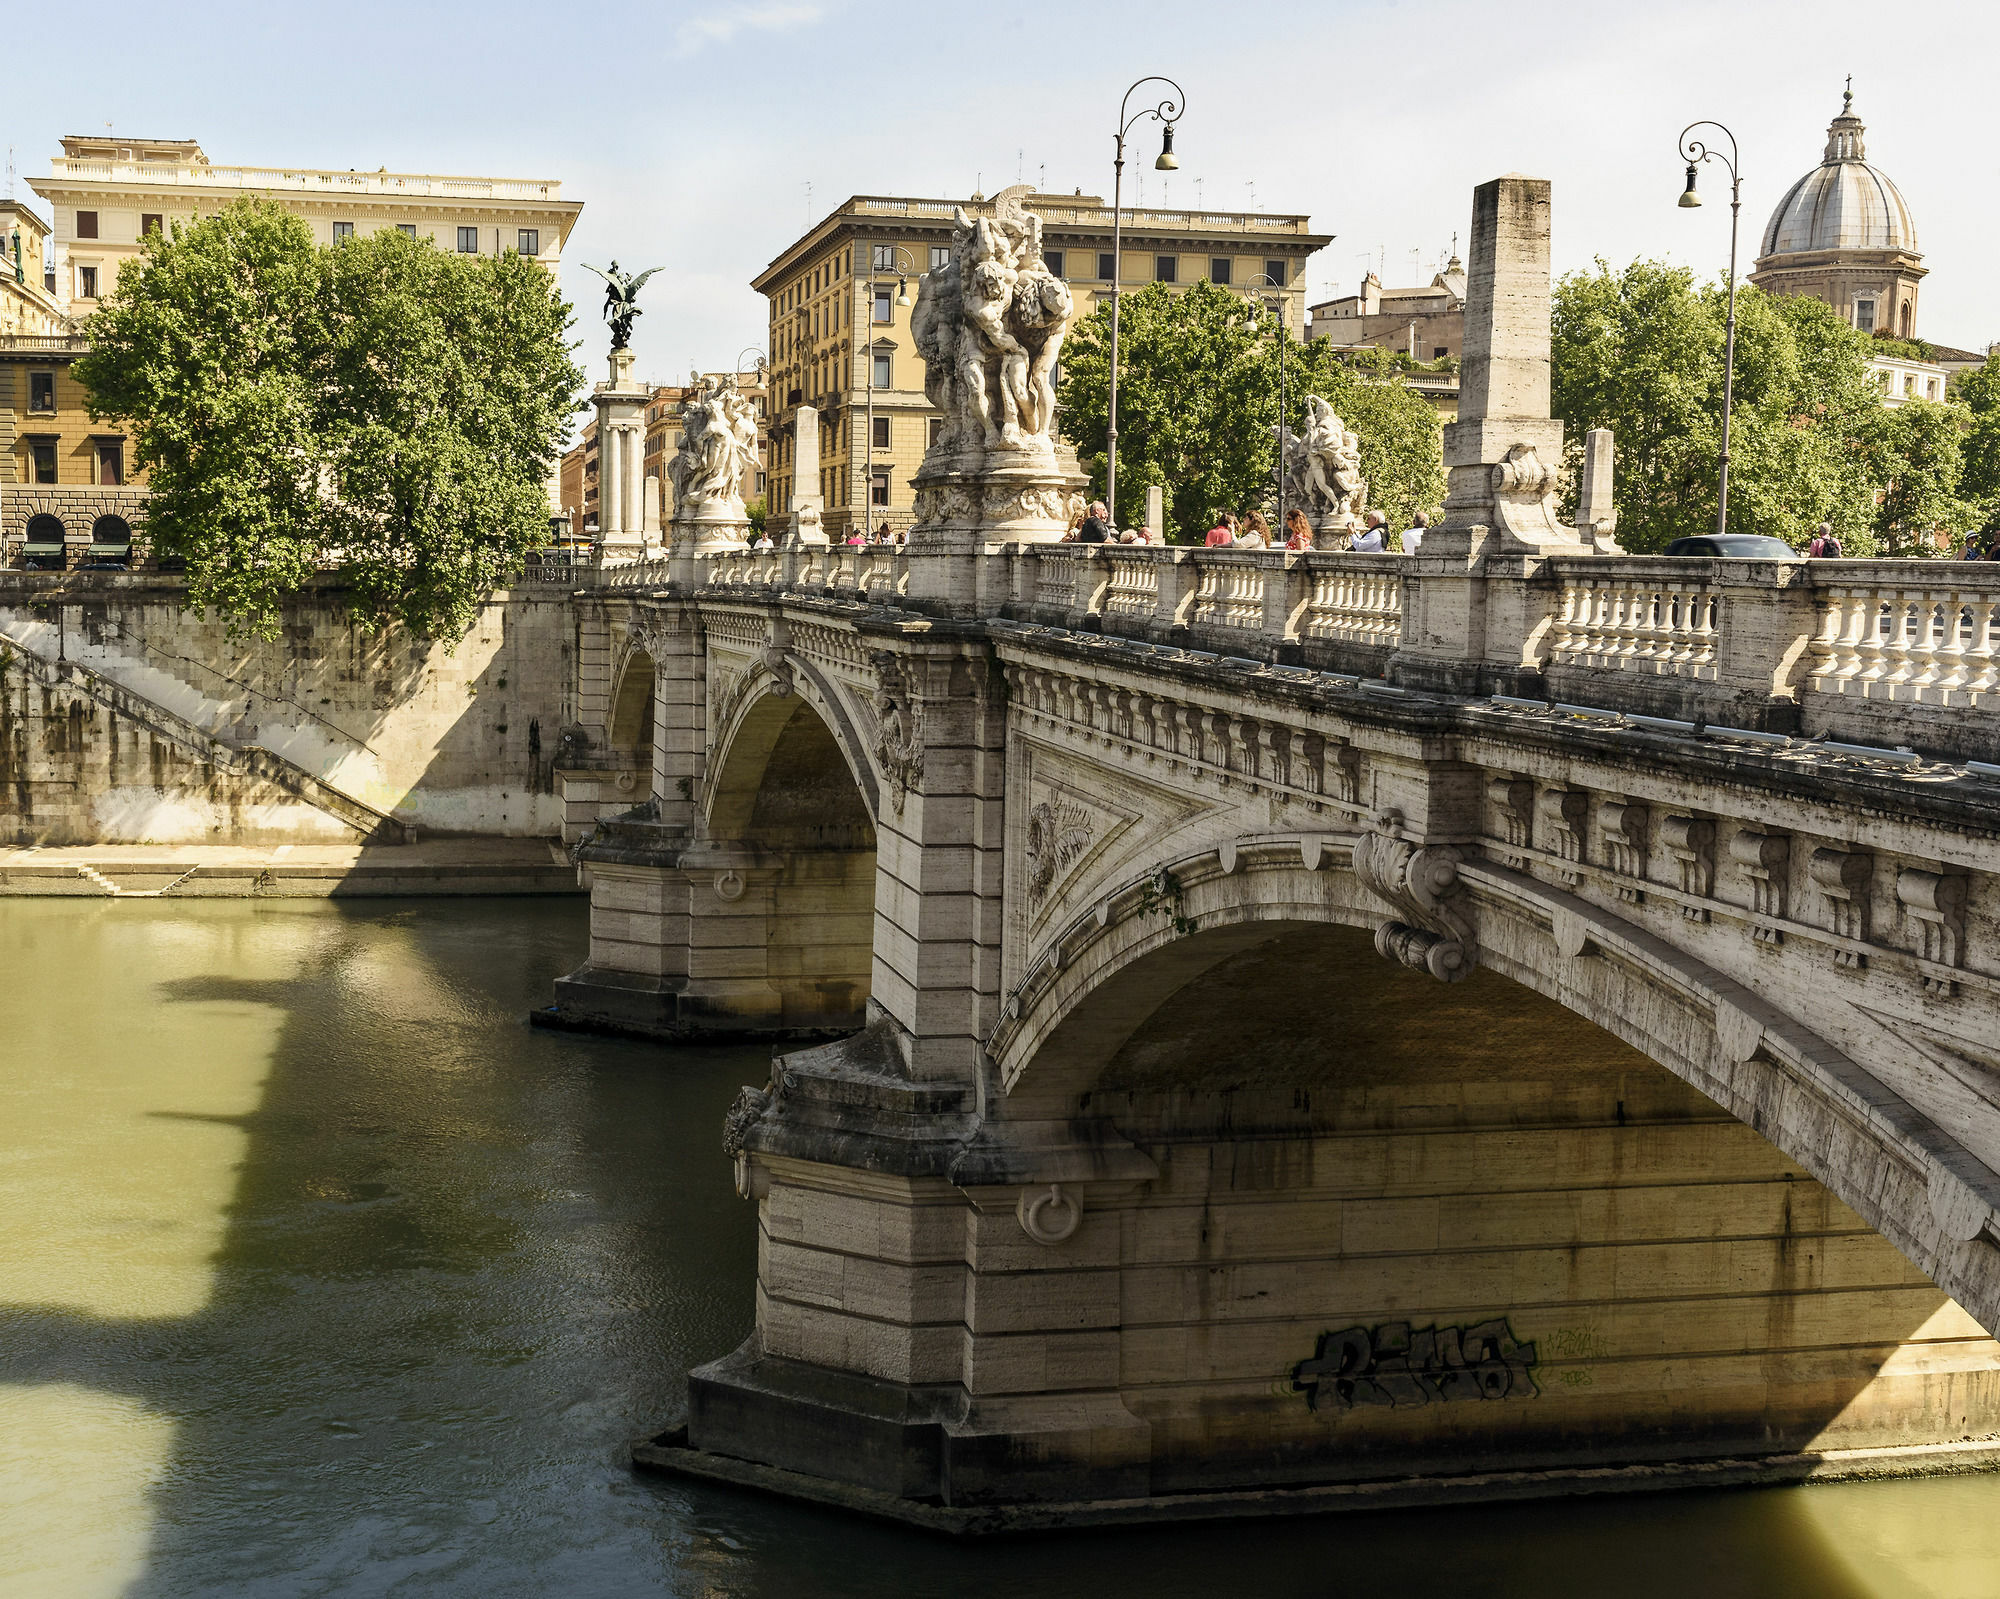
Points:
(1843, 203)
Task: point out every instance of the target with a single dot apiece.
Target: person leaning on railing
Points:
(1298, 531)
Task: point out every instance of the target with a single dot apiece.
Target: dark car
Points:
(1741, 546)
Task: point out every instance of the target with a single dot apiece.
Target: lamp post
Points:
(1265, 277)
(1167, 113)
(1694, 151)
(903, 274)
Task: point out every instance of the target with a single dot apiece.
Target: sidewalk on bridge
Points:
(431, 866)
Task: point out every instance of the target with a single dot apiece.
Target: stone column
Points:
(1596, 515)
(621, 416)
(808, 511)
(1502, 456)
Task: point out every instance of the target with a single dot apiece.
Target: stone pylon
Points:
(621, 464)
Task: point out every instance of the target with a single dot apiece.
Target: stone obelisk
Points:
(621, 464)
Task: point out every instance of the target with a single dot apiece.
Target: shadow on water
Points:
(465, 1263)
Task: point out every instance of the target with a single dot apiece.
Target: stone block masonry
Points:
(453, 740)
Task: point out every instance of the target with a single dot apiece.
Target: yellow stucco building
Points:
(105, 193)
(839, 326)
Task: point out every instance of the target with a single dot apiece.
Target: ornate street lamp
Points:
(1695, 151)
(1167, 113)
(903, 275)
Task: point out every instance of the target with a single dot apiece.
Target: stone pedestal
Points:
(621, 464)
(971, 499)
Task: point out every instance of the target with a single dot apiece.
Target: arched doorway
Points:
(43, 549)
(1400, 1226)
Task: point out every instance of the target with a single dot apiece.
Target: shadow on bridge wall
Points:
(1407, 1226)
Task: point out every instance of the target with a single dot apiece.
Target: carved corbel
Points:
(1420, 882)
(1842, 878)
(1565, 813)
(1513, 801)
(1934, 907)
(1764, 859)
(1691, 842)
(1625, 833)
(1343, 772)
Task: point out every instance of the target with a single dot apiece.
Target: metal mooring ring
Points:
(1031, 1212)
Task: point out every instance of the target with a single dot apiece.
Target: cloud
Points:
(720, 26)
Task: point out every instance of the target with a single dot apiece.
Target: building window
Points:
(884, 258)
(42, 391)
(1107, 265)
(1275, 271)
(111, 462)
(1166, 269)
(878, 486)
(1438, 353)
(1219, 269)
(885, 305)
(86, 282)
(468, 241)
(342, 232)
(45, 463)
(1276, 308)
(1934, 389)
(1910, 383)
(407, 229)
(880, 436)
(1864, 315)
(151, 222)
(1053, 260)
(882, 373)
(528, 241)
(940, 256)
(86, 224)
(934, 432)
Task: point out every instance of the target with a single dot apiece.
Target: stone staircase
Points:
(242, 760)
(91, 874)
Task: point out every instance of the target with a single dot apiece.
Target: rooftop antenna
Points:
(1197, 194)
(1041, 177)
(1252, 187)
(1020, 161)
(1416, 263)
(809, 203)
(10, 172)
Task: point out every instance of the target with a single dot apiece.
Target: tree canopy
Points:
(1640, 351)
(1198, 386)
(1979, 392)
(381, 407)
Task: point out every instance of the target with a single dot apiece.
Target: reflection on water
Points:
(325, 1275)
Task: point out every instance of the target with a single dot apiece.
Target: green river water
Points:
(326, 1275)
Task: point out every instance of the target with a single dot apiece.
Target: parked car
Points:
(1740, 546)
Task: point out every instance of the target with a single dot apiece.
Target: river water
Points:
(325, 1275)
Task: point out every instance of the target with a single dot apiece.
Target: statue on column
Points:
(989, 324)
(621, 292)
(1322, 466)
(718, 445)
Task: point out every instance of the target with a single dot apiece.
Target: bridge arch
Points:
(1101, 978)
(787, 824)
(631, 722)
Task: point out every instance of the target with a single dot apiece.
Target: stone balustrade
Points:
(1890, 653)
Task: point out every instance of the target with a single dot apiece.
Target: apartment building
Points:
(105, 194)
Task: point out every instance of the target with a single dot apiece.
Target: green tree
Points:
(1978, 391)
(381, 408)
(1919, 456)
(1640, 351)
(1198, 389)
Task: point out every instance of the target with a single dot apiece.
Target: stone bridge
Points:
(1504, 1019)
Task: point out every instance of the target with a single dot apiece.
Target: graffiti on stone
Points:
(1397, 1365)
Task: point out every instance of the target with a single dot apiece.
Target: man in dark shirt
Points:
(1095, 529)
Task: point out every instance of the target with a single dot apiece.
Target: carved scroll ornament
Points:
(899, 730)
(1420, 882)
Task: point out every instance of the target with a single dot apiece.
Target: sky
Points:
(703, 139)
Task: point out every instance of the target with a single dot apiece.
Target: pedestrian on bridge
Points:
(1223, 534)
(1298, 531)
